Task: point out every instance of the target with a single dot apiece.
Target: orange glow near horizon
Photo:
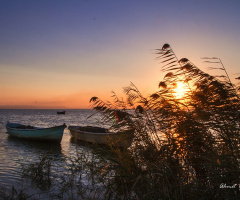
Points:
(63, 55)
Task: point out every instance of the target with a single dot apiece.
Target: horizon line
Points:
(40, 107)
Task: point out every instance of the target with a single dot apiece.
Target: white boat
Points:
(99, 135)
(35, 133)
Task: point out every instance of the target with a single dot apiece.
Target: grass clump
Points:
(39, 172)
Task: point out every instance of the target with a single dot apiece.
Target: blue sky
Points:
(61, 53)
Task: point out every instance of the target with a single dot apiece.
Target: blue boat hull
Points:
(42, 134)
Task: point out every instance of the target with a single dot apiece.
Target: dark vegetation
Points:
(184, 147)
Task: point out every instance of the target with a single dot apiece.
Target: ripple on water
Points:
(15, 153)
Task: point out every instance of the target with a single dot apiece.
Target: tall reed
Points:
(185, 147)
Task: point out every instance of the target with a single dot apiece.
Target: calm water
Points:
(14, 152)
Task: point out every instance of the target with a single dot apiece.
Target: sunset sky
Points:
(59, 53)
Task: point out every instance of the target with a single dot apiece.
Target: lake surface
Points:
(14, 152)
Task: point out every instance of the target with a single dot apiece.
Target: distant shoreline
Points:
(40, 108)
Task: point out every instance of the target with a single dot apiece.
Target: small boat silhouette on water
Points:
(61, 112)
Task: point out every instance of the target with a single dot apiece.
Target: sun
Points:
(180, 90)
